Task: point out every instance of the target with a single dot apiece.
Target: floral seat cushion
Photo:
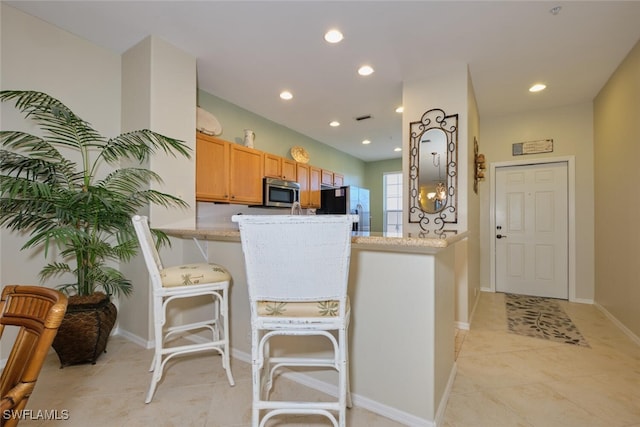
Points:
(299, 309)
(193, 274)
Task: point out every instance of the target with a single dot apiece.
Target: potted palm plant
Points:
(54, 187)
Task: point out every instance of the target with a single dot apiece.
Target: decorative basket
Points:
(85, 329)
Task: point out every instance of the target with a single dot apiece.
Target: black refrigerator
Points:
(347, 200)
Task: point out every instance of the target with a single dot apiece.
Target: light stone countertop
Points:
(427, 243)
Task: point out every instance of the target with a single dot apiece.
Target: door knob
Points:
(500, 236)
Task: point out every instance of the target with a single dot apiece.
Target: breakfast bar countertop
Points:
(423, 242)
(411, 272)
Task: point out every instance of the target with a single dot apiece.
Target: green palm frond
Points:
(60, 201)
(140, 145)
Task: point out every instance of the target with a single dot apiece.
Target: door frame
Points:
(571, 199)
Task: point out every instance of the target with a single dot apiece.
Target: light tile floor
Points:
(502, 380)
(510, 380)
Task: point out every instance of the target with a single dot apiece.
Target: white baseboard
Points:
(442, 407)
(462, 325)
(582, 300)
(475, 306)
(619, 324)
(133, 338)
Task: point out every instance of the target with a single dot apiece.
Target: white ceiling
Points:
(248, 51)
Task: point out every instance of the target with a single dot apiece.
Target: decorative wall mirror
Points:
(433, 170)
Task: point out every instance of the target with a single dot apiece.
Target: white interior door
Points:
(531, 218)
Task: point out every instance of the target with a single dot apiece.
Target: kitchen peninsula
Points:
(402, 322)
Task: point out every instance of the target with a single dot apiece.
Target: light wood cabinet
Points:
(309, 178)
(303, 173)
(212, 168)
(245, 175)
(314, 187)
(279, 167)
(315, 178)
(227, 172)
(272, 165)
(327, 177)
(232, 173)
(332, 179)
(289, 170)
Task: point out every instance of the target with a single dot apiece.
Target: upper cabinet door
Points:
(272, 166)
(246, 172)
(332, 179)
(212, 168)
(314, 187)
(279, 167)
(327, 177)
(289, 172)
(303, 180)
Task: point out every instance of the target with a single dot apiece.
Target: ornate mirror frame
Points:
(448, 214)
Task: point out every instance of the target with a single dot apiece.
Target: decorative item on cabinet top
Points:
(249, 138)
(299, 154)
(207, 123)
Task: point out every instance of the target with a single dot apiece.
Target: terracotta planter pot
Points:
(84, 332)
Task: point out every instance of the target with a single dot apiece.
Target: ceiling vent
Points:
(361, 118)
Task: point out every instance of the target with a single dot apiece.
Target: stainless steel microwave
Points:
(278, 193)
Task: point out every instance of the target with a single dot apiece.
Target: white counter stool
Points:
(184, 281)
(297, 272)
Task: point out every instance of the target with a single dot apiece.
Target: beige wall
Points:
(88, 79)
(451, 91)
(158, 87)
(617, 175)
(571, 128)
(447, 91)
(85, 77)
(469, 292)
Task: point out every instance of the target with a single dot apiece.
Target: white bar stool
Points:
(297, 272)
(184, 281)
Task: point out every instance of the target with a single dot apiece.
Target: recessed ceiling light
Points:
(333, 36)
(537, 87)
(397, 149)
(366, 142)
(286, 95)
(334, 123)
(400, 109)
(365, 70)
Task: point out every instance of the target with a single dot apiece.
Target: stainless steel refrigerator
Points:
(347, 200)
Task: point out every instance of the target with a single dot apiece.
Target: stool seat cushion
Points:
(299, 308)
(193, 274)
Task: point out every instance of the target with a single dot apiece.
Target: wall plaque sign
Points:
(532, 147)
